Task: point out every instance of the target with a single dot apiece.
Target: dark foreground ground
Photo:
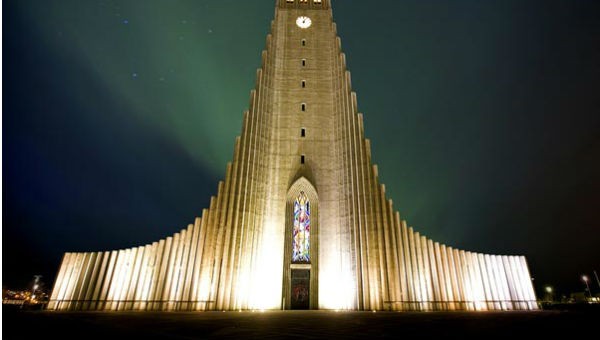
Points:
(297, 324)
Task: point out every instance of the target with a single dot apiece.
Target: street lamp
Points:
(549, 294)
(587, 284)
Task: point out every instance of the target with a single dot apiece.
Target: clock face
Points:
(303, 22)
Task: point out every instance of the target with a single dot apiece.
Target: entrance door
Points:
(300, 294)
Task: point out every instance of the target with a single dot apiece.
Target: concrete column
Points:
(416, 270)
(100, 281)
(455, 277)
(435, 279)
(134, 277)
(172, 271)
(489, 273)
(465, 282)
(92, 280)
(59, 284)
(441, 278)
(503, 281)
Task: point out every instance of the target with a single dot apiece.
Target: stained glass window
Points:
(301, 231)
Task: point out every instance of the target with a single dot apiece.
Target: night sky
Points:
(119, 118)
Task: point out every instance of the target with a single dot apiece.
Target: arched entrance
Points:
(300, 272)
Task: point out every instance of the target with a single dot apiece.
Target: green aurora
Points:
(483, 116)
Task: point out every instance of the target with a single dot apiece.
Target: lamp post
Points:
(597, 279)
(549, 293)
(587, 284)
(36, 286)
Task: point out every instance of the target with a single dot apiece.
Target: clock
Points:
(303, 22)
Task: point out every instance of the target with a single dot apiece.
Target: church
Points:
(301, 220)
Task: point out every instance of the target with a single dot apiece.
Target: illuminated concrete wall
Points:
(302, 132)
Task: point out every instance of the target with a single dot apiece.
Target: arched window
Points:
(301, 231)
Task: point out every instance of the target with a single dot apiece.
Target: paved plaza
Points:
(294, 324)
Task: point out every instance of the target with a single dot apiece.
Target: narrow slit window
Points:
(303, 42)
(303, 107)
(302, 159)
(303, 133)
(303, 83)
(303, 62)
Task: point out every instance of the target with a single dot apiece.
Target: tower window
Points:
(303, 107)
(317, 2)
(303, 83)
(303, 42)
(303, 133)
(302, 159)
(303, 62)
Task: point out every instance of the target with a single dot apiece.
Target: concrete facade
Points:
(301, 133)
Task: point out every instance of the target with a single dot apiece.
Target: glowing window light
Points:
(301, 230)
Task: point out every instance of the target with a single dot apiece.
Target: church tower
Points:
(301, 220)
